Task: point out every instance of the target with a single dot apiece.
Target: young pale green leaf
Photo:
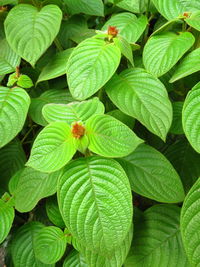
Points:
(185, 160)
(139, 94)
(56, 66)
(94, 198)
(52, 148)
(194, 20)
(30, 32)
(24, 81)
(130, 27)
(32, 186)
(49, 244)
(89, 7)
(191, 117)
(22, 246)
(190, 224)
(173, 9)
(117, 257)
(176, 127)
(7, 214)
(157, 239)
(105, 133)
(74, 259)
(14, 104)
(49, 96)
(152, 175)
(9, 60)
(74, 111)
(90, 66)
(188, 65)
(163, 51)
(53, 212)
(12, 159)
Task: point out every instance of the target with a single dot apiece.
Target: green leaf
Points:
(74, 259)
(24, 81)
(117, 257)
(32, 186)
(173, 9)
(22, 246)
(9, 60)
(157, 240)
(163, 51)
(194, 20)
(188, 65)
(130, 5)
(49, 244)
(7, 214)
(103, 134)
(12, 79)
(14, 104)
(125, 48)
(86, 71)
(190, 224)
(56, 66)
(185, 160)
(130, 27)
(49, 96)
(139, 94)
(30, 32)
(94, 198)
(90, 7)
(152, 175)
(119, 115)
(12, 159)
(74, 111)
(176, 127)
(52, 148)
(53, 212)
(191, 117)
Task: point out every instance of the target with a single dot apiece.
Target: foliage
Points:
(100, 133)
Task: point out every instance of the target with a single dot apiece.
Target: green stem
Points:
(27, 134)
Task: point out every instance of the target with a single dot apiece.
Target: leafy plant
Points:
(99, 133)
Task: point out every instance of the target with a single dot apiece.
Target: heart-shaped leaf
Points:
(188, 65)
(103, 134)
(52, 148)
(49, 244)
(157, 239)
(151, 175)
(94, 198)
(14, 104)
(9, 60)
(7, 214)
(28, 29)
(90, 7)
(91, 64)
(130, 27)
(32, 186)
(74, 111)
(190, 224)
(22, 246)
(139, 94)
(191, 117)
(163, 51)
